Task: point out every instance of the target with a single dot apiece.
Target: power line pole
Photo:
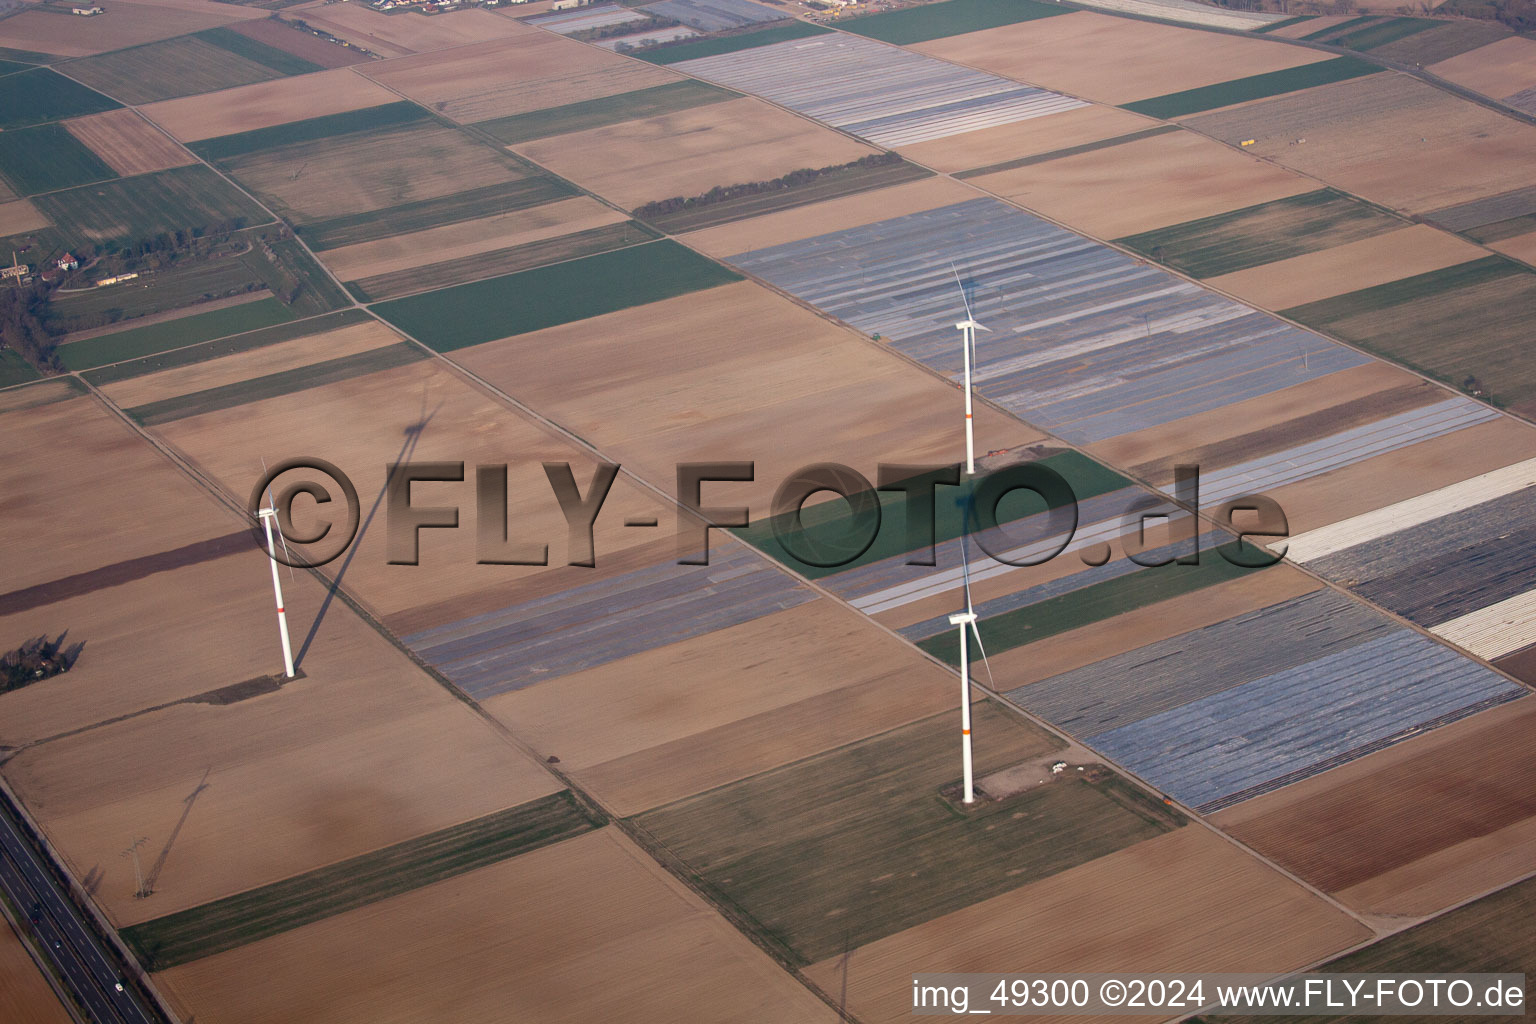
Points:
(139, 891)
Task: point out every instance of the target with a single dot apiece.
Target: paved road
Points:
(87, 967)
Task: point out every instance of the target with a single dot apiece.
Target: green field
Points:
(1369, 37)
(474, 204)
(501, 261)
(949, 18)
(270, 263)
(828, 528)
(46, 158)
(143, 206)
(315, 895)
(14, 369)
(730, 44)
(844, 181)
(172, 334)
(1094, 603)
(281, 61)
(389, 115)
(152, 292)
(173, 67)
(531, 300)
(1240, 90)
(598, 113)
(199, 352)
(10, 67)
(274, 385)
(1287, 23)
(1492, 935)
(853, 844)
(1470, 320)
(1502, 229)
(39, 95)
(1326, 34)
(1256, 235)
(1057, 154)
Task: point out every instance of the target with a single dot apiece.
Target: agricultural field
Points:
(368, 174)
(1387, 139)
(299, 44)
(47, 158)
(834, 214)
(975, 152)
(1483, 936)
(336, 888)
(290, 396)
(654, 101)
(1463, 322)
(701, 762)
(1258, 235)
(523, 75)
(522, 938)
(501, 262)
(923, 99)
(1302, 691)
(191, 329)
(1500, 69)
(1158, 180)
(786, 845)
(1413, 558)
(128, 143)
(1071, 53)
(1116, 913)
(20, 217)
(288, 755)
(148, 204)
(469, 250)
(482, 311)
(42, 94)
(208, 61)
(1254, 87)
(267, 105)
(1495, 219)
(1378, 259)
(154, 362)
(126, 23)
(654, 726)
(947, 18)
(25, 995)
(690, 152)
(729, 368)
(1394, 833)
(392, 36)
(735, 43)
(1119, 318)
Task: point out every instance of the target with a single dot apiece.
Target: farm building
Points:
(68, 262)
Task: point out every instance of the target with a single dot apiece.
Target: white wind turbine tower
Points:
(967, 620)
(268, 515)
(968, 328)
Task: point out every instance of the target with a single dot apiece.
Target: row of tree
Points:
(794, 179)
(38, 658)
(23, 325)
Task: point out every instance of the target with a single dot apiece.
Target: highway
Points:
(81, 958)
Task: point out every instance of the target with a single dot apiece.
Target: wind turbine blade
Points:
(963, 297)
(981, 648)
(287, 558)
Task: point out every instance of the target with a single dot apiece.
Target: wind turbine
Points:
(268, 514)
(963, 621)
(968, 328)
